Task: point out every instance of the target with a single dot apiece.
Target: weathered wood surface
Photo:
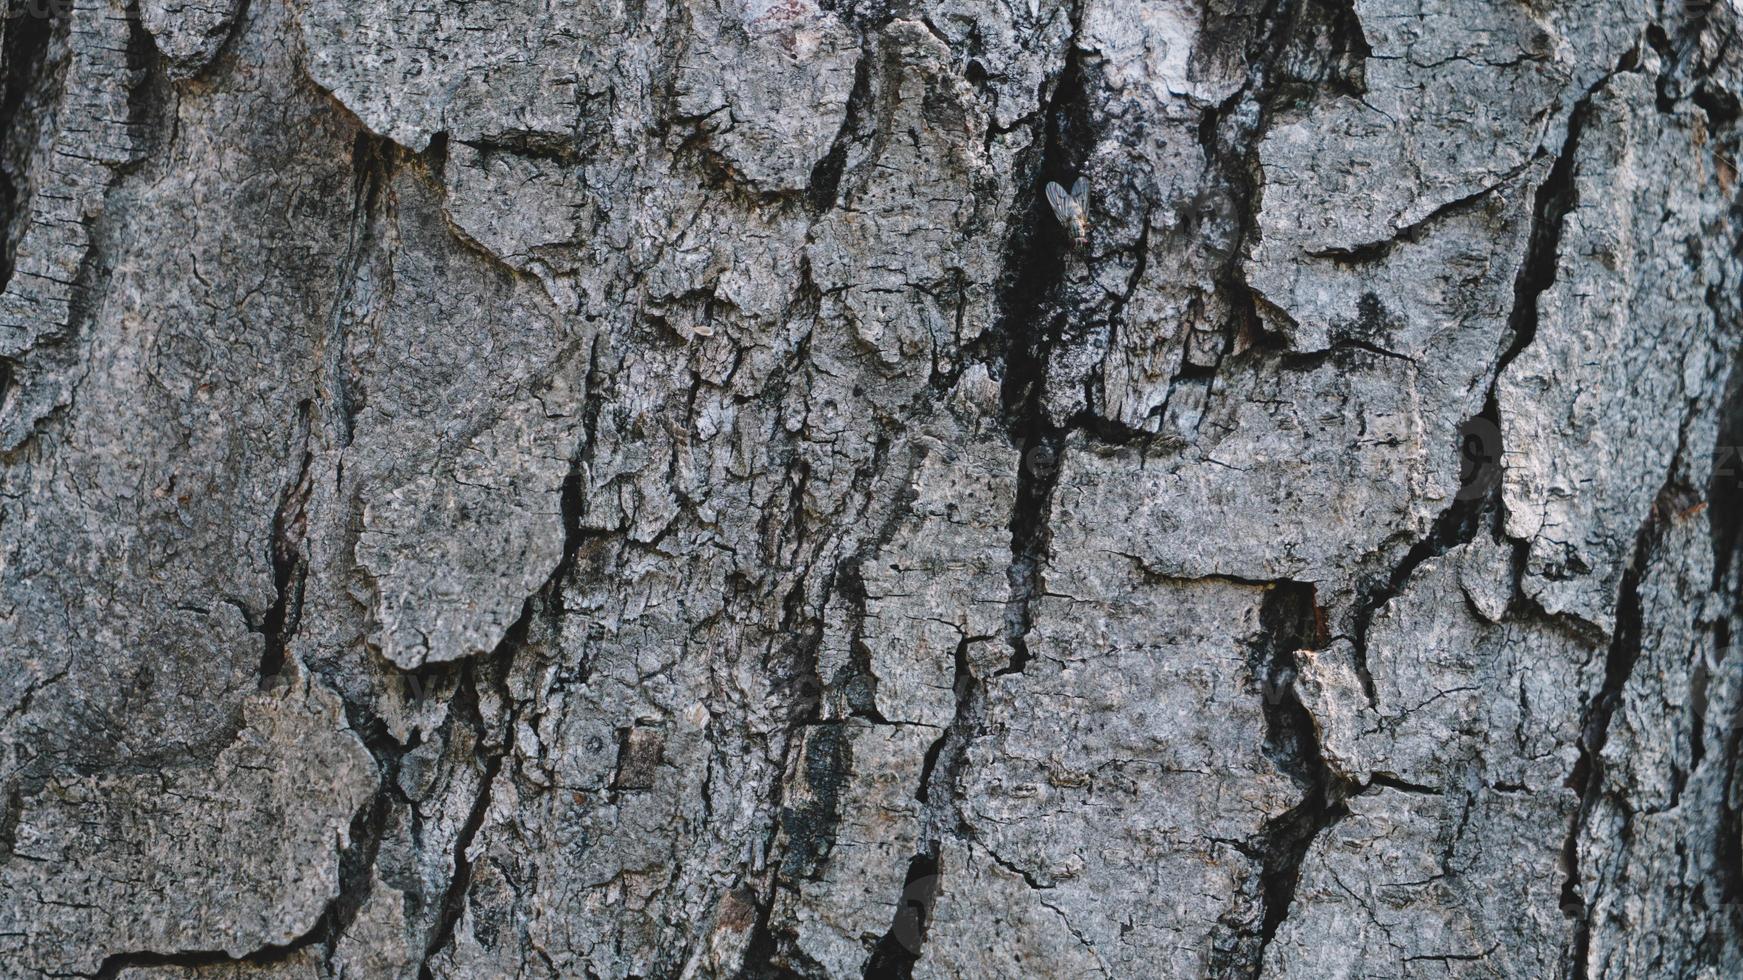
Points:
(596, 489)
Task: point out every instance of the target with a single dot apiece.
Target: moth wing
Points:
(1080, 192)
(1063, 205)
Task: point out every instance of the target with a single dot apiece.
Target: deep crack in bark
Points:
(1289, 621)
(289, 565)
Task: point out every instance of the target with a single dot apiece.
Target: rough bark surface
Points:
(647, 489)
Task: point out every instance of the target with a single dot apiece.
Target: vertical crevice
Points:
(368, 830)
(25, 38)
(1728, 839)
(490, 753)
(1725, 512)
(1034, 316)
(1725, 486)
(372, 163)
(1554, 200)
(289, 565)
(1556, 197)
(150, 96)
(895, 954)
(1297, 47)
(1588, 775)
(824, 187)
(543, 609)
(899, 949)
(1289, 620)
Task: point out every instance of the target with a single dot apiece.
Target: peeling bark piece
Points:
(136, 523)
(1409, 885)
(1128, 757)
(767, 84)
(1592, 409)
(1440, 295)
(729, 939)
(527, 212)
(609, 881)
(467, 425)
(248, 848)
(1277, 455)
(380, 941)
(488, 534)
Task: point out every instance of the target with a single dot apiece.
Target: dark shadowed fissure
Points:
(23, 58)
(289, 566)
(1289, 621)
(1031, 320)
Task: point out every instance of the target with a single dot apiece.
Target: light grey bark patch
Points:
(188, 33)
(523, 70)
(1272, 457)
(1440, 675)
(1405, 884)
(56, 277)
(1668, 676)
(1454, 102)
(1169, 747)
(493, 537)
(989, 921)
(1583, 468)
(527, 212)
(938, 582)
(994, 607)
(471, 438)
(766, 86)
(1439, 294)
(908, 261)
(253, 859)
(379, 940)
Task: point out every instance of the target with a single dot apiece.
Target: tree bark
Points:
(597, 489)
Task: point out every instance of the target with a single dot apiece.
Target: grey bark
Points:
(649, 489)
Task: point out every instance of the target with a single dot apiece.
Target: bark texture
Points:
(645, 488)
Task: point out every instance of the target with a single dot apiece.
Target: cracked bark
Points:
(651, 490)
